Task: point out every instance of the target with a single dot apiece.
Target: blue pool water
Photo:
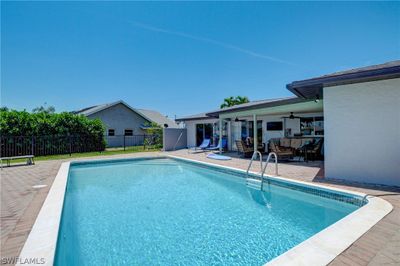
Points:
(168, 212)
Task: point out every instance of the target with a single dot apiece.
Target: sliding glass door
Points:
(204, 131)
(259, 130)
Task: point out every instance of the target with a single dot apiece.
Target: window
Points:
(204, 131)
(312, 126)
(259, 130)
(199, 134)
(274, 126)
(128, 132)
(111, 132)
(243, 125)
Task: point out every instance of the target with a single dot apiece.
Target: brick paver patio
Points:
(20, 204)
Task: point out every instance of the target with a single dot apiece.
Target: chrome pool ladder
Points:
(262, 170)
(251, 162)
(265, 167)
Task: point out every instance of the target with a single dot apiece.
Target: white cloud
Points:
(211, 41)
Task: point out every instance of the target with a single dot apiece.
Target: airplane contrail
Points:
(208, 40)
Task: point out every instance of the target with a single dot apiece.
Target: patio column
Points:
(220, 135)
(255, 132)
(229, 135)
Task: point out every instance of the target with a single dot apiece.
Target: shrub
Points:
(51, 128)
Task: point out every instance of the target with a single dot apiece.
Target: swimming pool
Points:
(165, 211)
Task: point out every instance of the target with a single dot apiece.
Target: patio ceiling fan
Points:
(240, 120)
(291, 116)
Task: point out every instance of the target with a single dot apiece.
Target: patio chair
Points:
(205, 144)
(250, 143)
(282, 152)
(315, 151)
(214, 148)
(244, 149)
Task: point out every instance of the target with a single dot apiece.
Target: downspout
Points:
(255, 139)
(220, 135)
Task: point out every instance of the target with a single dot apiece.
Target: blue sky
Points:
(182, 58)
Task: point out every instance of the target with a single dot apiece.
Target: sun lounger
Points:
(202, 147)
(214, 148)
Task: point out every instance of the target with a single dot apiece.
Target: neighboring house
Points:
(158, 118)
(121, 119)
(356, 112)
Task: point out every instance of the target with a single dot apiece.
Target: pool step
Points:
(253, 183)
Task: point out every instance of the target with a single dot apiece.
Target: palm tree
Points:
(231, 101)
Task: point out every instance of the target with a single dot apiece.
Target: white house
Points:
(362, 122)
(355, 112)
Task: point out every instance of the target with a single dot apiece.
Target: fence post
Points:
(70, 146)
(144, 141)
(32, 146)
(124, 142)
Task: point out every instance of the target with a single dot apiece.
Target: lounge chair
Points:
(244, 149)
(205, 144)
(281, 152)
(214, 148)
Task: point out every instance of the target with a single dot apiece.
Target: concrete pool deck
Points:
(20, 204)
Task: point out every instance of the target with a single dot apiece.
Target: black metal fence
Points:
(123, 141)
(53, 145)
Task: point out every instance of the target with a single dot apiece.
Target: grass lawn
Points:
(108, 151)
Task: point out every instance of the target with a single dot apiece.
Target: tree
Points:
(44, 109)
(231, 101)
(155, 137)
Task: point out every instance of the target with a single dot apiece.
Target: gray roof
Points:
(149, 115)
(96, 108)
(311, 88)
(258, 104)
(193, 117)
(158, 118)
(244, 107)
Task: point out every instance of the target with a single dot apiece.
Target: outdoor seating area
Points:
(286, 148)
(303, 148)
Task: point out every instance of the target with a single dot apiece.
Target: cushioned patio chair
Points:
(243, 149)
(282, 152)
(315, 151)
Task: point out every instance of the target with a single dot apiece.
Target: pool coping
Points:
(320, 249)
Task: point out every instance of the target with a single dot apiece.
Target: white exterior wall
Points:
(191, 129)
(362, 132)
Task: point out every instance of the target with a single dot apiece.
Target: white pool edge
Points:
(320, 249)
(42, 240)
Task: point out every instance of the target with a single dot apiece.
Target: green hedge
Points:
(54, 130)
(22, 123)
